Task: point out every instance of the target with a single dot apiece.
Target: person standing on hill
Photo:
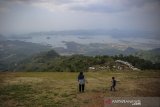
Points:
(113, 84)
(81, 80)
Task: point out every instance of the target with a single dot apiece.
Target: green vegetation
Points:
(11, 52)
(60, 89)
(151, 55)
(51, 61)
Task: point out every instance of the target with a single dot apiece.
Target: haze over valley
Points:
(115, 38)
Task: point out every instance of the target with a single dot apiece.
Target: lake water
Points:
(57, 40)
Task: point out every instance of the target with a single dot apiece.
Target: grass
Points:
(60, 89)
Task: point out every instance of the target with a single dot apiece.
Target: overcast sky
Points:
(24, 16)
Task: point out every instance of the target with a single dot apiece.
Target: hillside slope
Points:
(12, 52)
(52, 61)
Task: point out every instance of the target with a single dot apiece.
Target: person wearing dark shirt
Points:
(113, 84)
(81, 80)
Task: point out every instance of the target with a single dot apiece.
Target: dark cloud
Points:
(114, 6)
(140, 3)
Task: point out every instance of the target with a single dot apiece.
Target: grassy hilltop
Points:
(60, 89)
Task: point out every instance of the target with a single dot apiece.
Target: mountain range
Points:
(14, 51)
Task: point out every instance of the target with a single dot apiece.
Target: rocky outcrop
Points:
(121, 64)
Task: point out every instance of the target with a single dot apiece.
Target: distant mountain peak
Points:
(52, 53)
(130, 50)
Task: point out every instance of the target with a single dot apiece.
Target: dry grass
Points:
(60, 89)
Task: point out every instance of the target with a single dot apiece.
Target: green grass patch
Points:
(59, 89)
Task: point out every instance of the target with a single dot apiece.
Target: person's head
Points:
(81, 73)
(113, 78)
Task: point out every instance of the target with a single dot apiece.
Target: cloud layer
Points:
(83, 5)
(37, 15)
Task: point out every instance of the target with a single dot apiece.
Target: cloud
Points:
(108, 6)
(111, 6)
(78, 14)
(51, 5)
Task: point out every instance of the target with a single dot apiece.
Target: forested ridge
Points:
(52, 61)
